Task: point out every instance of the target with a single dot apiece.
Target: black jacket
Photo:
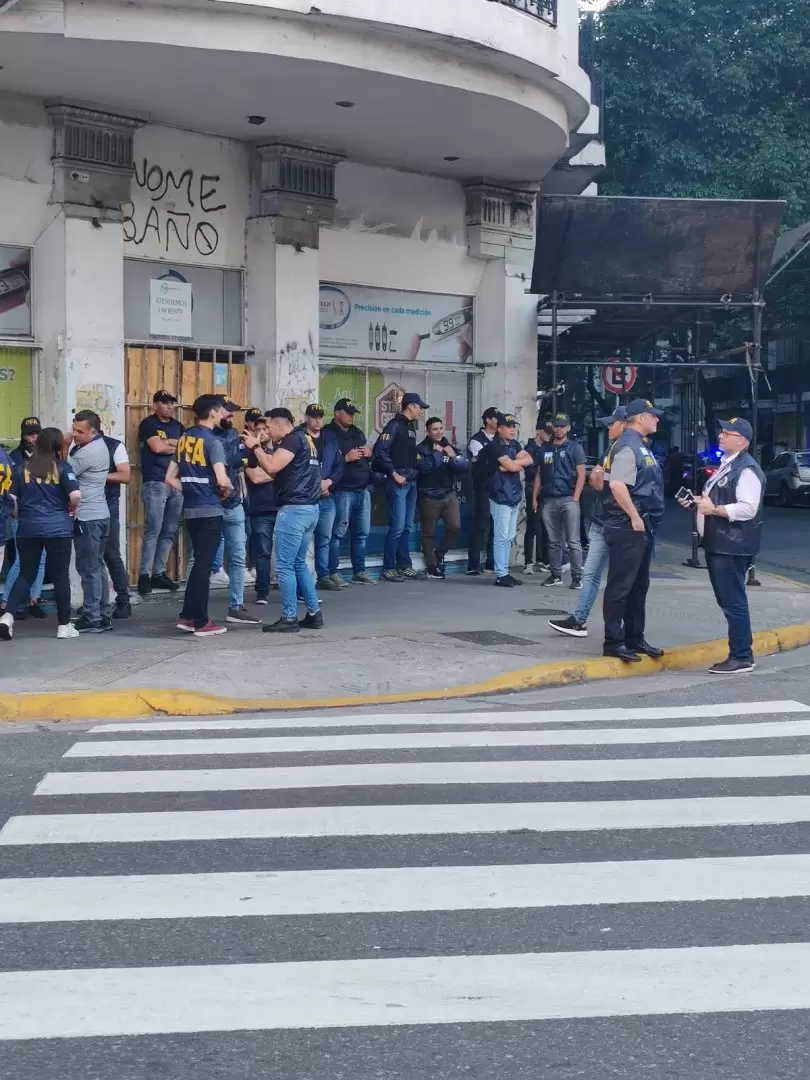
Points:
(356, 474)
(436, 470)
(395, 450)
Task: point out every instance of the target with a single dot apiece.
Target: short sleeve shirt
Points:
(44, 504)
(154, 466)
(623, 466)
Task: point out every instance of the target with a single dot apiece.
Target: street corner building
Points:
(280, 202)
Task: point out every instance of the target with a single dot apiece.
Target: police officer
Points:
(438, 463)
(535, 544)
(632, 507)
(6, 501)
(234, 526)
(158, 435)
(730, 522)
(296, 472)
(505, 459)
(327, 448)
(481, 530)
(395, 456)
(119, 475)
(200, 474)
(561, 477)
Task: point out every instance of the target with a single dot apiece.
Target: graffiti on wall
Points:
(179, 212)
(297, 376)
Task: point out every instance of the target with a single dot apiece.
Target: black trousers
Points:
(57, 554)
(481, 532)
(112, 556)
(535, 544)
(628, 582)
(204, 534)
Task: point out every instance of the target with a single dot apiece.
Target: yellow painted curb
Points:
(131, 704)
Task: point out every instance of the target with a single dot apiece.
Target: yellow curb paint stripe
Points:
(130, 704)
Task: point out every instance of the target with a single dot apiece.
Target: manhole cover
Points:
(541, 611)
(489, 637)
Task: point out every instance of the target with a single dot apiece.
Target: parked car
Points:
(787, 478)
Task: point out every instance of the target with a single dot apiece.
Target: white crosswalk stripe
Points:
(715, 786)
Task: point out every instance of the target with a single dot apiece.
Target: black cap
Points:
(506, 420)
(561, 420)
(642, 405)
(739, 426)
(31, 426)
(414, 399)
(231, 406)
(490, 414)
(254, 415)
(619, 413)
(164, 397)
(316, 409)
(345, 404)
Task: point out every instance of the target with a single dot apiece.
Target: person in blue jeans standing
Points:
(331, 459)
(505, 460)
(296, 472)
(352, 493)
(395, 457)
(262, 510)
(598, 554)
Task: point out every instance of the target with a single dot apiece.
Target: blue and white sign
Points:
(358, 322)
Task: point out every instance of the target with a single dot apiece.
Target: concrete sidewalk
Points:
(420, 636)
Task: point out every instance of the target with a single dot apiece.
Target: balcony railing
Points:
(539, 9)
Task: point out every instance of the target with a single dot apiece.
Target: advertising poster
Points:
(363, 323)
(15, 292)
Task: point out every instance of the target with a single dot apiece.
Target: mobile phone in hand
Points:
(685, 495)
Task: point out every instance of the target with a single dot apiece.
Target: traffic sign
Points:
(618, 378)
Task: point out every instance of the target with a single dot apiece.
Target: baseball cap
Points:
(619, 413)
(254, 415)
(739, 426)
(164, 397)
(231, 406)
(414, 399)
(316, 409)
(561, 420)
(345, 404)
(490, 414)
(31, 426)
(506, 420)
(642, 405)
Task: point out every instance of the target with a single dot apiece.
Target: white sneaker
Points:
(528, 569)
(220, 580)
(565, 568)
(250, 577)
(67, 630)
(6, 627)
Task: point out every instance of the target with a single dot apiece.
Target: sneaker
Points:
(313, 620)
(210, 630)
(363, 579)
(571, 627)
(241, 615)
(732, 667)
(528, 569)
(566, 566)
(576, 583)
(122, 610)
(36, 611)
(6, 627)
(434, 572)
(163, 581)
(514, 580)
(282, 626)
(186, 625)
(393, 576)
(504, 582)
(326, 584)
(413, 575)
(542, 568)
(65, 631)
(84, 626)
(474, 572)
(552, 579)
(144, 584)
(260, 601)
(339, 580)
(106, 624)
(489, 570)
(220, 580)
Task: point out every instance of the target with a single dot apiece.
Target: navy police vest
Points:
(724, 537)
(505, 488)
(648, 491)
(196, 472)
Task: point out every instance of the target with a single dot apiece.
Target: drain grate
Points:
(489, 637)
(541, 611)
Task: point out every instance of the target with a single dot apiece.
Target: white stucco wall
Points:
(189, 198)
(25, 170)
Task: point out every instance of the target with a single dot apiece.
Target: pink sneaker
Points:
(210, 630)
(186, 625)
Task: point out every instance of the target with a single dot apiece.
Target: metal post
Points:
(694, 560)
(754, 366)
(555, 299)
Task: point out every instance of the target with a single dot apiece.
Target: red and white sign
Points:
(387, 404)
(618, 378)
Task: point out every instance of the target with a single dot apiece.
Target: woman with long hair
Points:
(47, 494)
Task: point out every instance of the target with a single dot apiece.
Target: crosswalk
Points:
(426, 872)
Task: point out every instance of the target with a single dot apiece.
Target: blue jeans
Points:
(262, 527)
(504, 530)
(727, 573)
(235, 539)
(323, 538)
(401, 503)
(593, 572)
(352, 515)
(294, 528)
(14, 572)
(162, 508)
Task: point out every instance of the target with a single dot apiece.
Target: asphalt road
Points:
(785, 545)
(362, 940)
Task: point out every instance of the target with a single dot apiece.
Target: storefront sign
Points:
(169, 308)
(363, 323)
(15, 292)
(387, 405)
